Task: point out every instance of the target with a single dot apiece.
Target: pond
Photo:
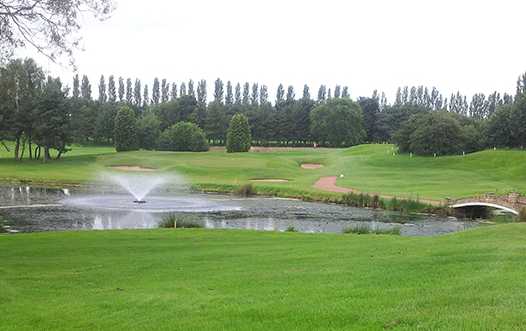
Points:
(28, 209)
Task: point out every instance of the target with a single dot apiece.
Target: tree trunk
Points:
(47, 156)
(17, 147)
(30, 149)
(23, 148)
(5, 146)
(37, 153)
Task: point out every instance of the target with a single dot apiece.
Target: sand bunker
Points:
(311, 166)
(329, 184)
(132, 168)
(270, 180)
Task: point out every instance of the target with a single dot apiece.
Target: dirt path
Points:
(329, 184)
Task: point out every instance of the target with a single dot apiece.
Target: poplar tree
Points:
(112, 93)
(76, 86)
(129, 91)
(290, 93)
(182, 90)
(280, 95)
(145, 96)
(85, 88)
(337, 91)
(345, 92)
(246, 94)
(137, 93)
(254, 97)
(191, 90)
(164, 90)
(229, 98)
(322, 93)
(201, 93)
(173, 94)
(263, 95)
(156, 93)
(218, 91)
(121, 89)
(237, 97)
(102, 90)
(306, 92)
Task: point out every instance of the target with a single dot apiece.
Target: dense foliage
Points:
(238, 136)
(183, 136)
(337, 123)
(125, 130)
(330, 118)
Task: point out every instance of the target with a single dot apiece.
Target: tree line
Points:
(38, 113)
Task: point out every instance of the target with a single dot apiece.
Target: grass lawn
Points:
(243, 280)
(369, 168)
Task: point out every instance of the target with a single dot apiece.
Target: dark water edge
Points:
(32, 209)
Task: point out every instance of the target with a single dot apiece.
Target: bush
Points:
(362, 200)
(125, 133)
(179, 221)
(245, 190)
(148, 128)
(366, 229)
(238, 137)
(183, 136)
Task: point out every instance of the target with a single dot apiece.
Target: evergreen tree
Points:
(137, 93)
(246, 94)
(129, 91)
(201, 93)
(102, 90)
(306, 92)
(229, 98)
(238, 136)
(218, 91)
(216, 123)
(125, 130)
(156, 92)
(76, 86)
(112, 92)
(254, 98)
(237, 97)
(122, 90)
(85, 88)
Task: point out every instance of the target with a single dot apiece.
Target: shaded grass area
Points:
(368, 168)
(195, 279)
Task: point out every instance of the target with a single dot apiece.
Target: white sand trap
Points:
(132, 168)
(270, 180)
(311, 166)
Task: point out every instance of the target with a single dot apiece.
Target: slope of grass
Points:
(242, 280)
(369, 168)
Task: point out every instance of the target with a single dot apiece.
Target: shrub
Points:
(362, 200)
(183, 136)
(179, 221)
(245, 190)
(366, 229)
(290, 228)
(125, 134)
(238, 137)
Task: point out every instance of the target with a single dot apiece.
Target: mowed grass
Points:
(242, 280)
(368, 168)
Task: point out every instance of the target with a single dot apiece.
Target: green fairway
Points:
(368, 168)
(243, 280)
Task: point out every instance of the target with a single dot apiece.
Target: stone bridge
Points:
(512, 203)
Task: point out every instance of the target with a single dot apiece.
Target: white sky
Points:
(471, 46)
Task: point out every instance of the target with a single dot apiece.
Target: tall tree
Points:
(85, 88)
(280, 95)
(129, 91)
(76, 86)
(102, 90)
(290, 94)
(182, 90)
(173, 94)
(112, 92)
(229, 98)
(263, 95)
(254, 97)
(122, 89)
(246, 94)
(322, 93)
(218, 91)
(237, 97)
(337, 91)
(191, 89)
(156, 92)
(306, 92)
(201, 93)
(137, 93)
(345, 92)
(145, 96)
(165, 90)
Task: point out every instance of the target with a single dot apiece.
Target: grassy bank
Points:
(368, 168)
(238, 280)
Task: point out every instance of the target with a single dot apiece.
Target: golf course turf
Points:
(367, 168)
(196, 279)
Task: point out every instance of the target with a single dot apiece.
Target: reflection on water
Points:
(42, 209)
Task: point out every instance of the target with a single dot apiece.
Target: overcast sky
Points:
(471, 46)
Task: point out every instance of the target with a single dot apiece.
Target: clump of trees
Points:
(125, 130)
(238, 136)
(183, 136)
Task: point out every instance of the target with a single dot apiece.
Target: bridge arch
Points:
(484, 204)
